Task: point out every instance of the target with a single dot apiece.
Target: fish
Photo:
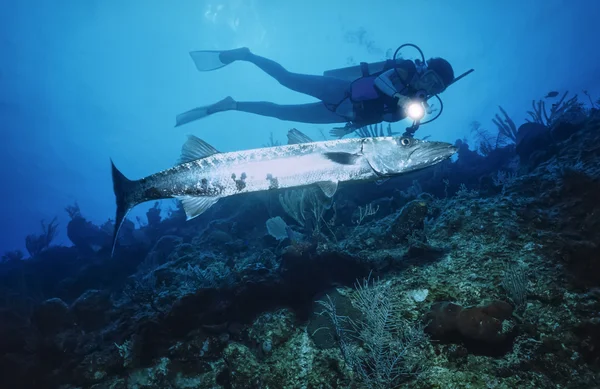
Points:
(551, 94)
(204, 175)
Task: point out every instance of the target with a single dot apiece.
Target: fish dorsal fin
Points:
(341, 157)
(328, 187)
(195, 148)
(195, 206)
(296, 137)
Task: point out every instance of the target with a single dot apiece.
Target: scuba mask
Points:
(427, 84)
(428, 80)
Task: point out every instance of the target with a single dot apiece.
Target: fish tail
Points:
(124, 189)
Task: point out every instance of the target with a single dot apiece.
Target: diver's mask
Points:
(428, 80)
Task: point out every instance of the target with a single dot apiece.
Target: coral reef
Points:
(481, 273)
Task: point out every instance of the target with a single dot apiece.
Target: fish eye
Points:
(405, 141)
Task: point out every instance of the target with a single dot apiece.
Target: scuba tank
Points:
(365, 69)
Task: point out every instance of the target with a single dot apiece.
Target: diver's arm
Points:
(388, 82)
(385, 84)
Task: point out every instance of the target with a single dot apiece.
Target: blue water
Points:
(85, 81)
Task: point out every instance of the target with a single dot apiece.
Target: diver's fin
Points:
(341, 158)
(328, 187)
(340, 132)
(227, 104)
(296, 137)
(195, 206)
(191, 115)
(207, 60)
(124, 189)
(195, 148)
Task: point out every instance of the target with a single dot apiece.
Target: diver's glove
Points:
(401, 100)
(340, 132)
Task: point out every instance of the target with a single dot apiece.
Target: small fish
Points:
(551, 94)
(204, 175)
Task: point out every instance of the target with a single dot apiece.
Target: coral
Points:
(86, 236)
(35, 244)
(15, 255)
(73, 210)
(277, 228)
(533, 142)
(306, 207)
(515, 283)
(272, 141)
(153, 215)
(90, 309)
(558, 110)
(52, 316)
(243, 369)
(506, 126)
(484, 323)
(410, 219)
(391, 348)
(496, 255)
(487, 142)
(365, 212)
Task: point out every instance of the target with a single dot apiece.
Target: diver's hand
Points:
(340, 132)
(402, 100)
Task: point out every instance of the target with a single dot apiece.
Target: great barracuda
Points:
(204, 175)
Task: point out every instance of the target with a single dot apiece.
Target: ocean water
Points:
(84, 82)
(481, 270)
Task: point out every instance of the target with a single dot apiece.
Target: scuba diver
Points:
(390, 91)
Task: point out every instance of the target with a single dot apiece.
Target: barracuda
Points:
(205, 175)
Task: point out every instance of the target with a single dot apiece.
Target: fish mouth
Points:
(431, 153)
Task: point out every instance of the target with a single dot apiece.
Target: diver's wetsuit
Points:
(363, 101)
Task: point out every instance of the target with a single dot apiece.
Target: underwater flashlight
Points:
(415, 111)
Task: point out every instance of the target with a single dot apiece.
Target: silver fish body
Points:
(206, 175)
(227, 174)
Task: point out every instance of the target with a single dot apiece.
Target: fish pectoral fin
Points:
(195, 148)
(381, 167)
(296, 137)
(341, 157)
(328, 187)
(195, 206)
(383, 156)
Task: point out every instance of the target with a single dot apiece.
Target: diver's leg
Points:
(314, 113)
(330, 90)
(227, 104)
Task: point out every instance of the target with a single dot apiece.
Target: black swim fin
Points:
(207, 60)
(191, 115)
(227, 104)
